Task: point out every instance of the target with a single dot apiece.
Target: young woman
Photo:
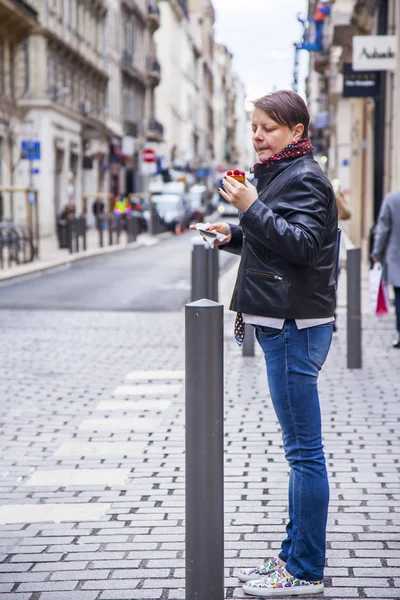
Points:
(287, 239)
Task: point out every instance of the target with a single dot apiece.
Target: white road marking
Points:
(101, 449)
(130, 405)
(155, 375)
(146, 425)
(66, 477)
(148, 389)
(57, 513)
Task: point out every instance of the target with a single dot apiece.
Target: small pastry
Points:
(238, 175)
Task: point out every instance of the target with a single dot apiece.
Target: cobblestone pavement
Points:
(92, 474)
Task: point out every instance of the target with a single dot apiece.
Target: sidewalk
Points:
(92, 445)
(51, 256)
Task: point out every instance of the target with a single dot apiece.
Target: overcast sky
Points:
(260, 34)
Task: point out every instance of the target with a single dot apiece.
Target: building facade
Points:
(86, 87)
(184, 98)
(356, 112)
(82, 88)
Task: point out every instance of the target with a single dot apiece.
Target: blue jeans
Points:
(294, 358)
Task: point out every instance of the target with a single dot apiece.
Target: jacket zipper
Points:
(266, 275)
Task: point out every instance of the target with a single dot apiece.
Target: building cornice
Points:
(17, 18)
(72, 51)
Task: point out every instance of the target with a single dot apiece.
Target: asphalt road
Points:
(152, 278)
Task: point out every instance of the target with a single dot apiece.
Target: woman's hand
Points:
(240, 195)
(221, 228)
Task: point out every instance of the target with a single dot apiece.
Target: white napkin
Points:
(210, 236)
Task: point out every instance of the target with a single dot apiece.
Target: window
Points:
(12, 70)
(2, 90)
(45, 12)
(26, 62)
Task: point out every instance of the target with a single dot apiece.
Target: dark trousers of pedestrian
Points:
(294, 358)
(397, 307)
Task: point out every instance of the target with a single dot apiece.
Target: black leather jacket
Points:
(288, 244)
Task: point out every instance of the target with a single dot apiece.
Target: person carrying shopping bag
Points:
(386, 248)
(344, 214)
(288, 242)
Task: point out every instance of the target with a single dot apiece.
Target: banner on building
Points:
(374, 52)
(359, 84)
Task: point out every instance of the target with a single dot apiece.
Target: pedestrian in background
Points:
(287, 239)
(98, 208)
(344, 214)
(386, 248)
(344, 210)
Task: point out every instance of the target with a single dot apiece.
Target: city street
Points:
(156, 277)
(92, 441)
(121, 123)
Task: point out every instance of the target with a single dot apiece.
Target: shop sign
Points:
(374, 52)
(359, 84)
(30, 149)
(321, 120)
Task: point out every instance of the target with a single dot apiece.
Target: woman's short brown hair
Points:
(286, 108)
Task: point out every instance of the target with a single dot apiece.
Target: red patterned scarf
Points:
(293, 150)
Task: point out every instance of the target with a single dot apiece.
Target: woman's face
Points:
(269, 137)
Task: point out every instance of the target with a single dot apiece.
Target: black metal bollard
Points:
(248, 342)
(77, 233)
(154, 221)
(205, 271)
(118, 226)
(200, 267)
(110, 223)
(132, 228)
(100, 220)
(70, 235)
(213, 273)
(84, 230)
(354, 345)
(204, 551)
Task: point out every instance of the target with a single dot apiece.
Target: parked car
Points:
(137, 205)
(172, 210)
(222, 206)
(196, 198)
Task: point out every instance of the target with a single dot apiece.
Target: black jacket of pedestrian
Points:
(288, 242)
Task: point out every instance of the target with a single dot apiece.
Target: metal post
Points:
(77, 230)
(70, 235)
(100, 220)
(204, 451)
(380, 117)
(200, 264)
(118, 224)
(248, 342)
(153, 219)
(83, 220)
(135, 228)
(110, 230)
(213, 273)
(354, 347)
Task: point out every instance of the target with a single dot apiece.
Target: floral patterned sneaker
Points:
(280, 583)
(267, 568)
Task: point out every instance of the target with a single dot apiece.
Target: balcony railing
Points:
(131, 128)
(155, 130)
(153, 70)
(153, 10)
(127, 60)
(153, 65)
(184, 5)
